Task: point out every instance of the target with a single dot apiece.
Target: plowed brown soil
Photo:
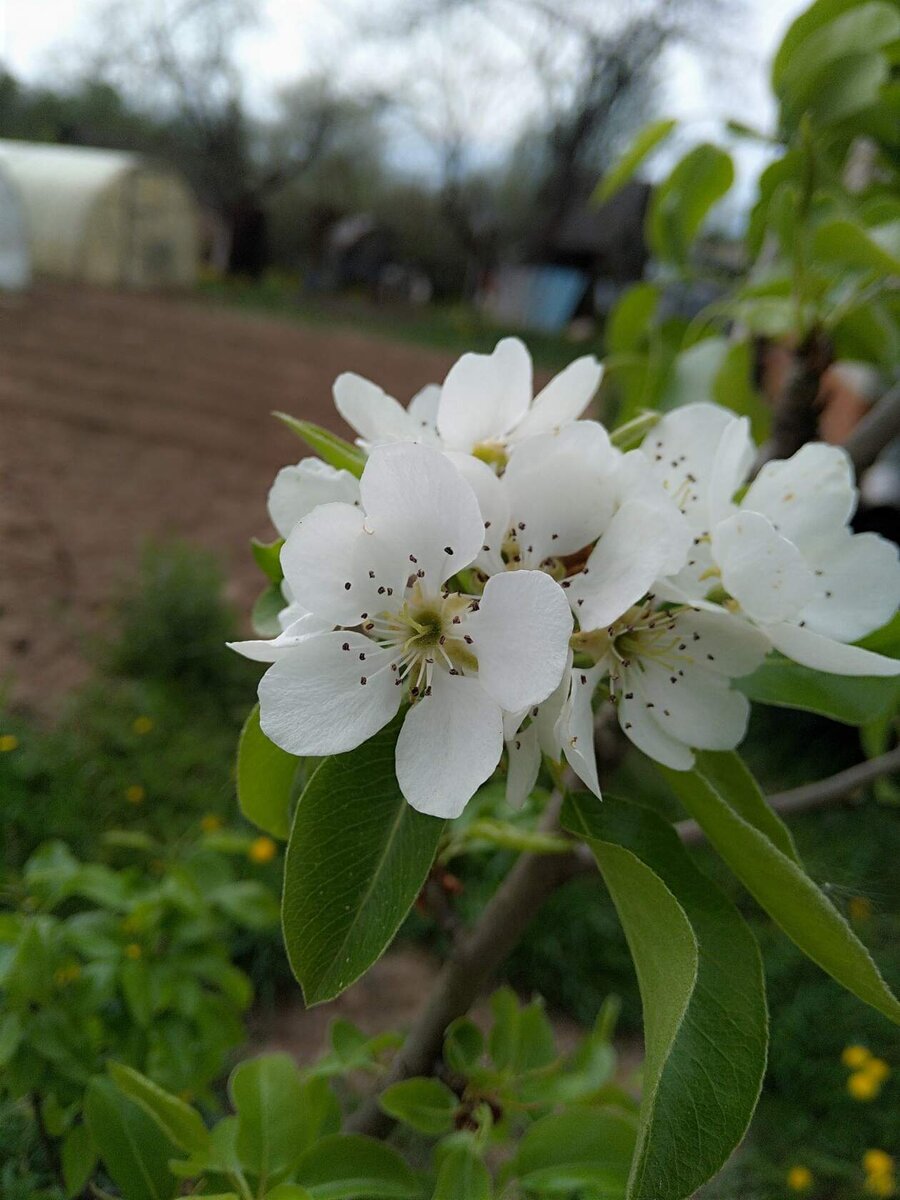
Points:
(125, 417)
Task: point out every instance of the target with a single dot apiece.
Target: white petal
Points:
(575, 727)
(321, 556)
(807, 497)
(269, 650)
(698, 707)
(450, 743)
(548, 714)
(624, 564)
(564, 398)
(524, 765)
(494, 505)
(423, 409)
(822, 654)
(681, 449)
(731, 464)
(560, 487)
(857, 587)
(485, 395)
(521, 637)
(639, 726)
(720, 641)
(376, 416)
(634, 480)
(420, 508)
(312, 700)
(298, 490)
(762, 570)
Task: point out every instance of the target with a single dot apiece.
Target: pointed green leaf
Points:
(681, 203)
(872, 248)
(706, 1056)
(619, 174)
(357, 858)
(462, 1175)
(784, 890)
(180, 1123)
(267, 556)
(333, 449)
(133, 1149)
(424, 1104)
(346, 1166)
(788, 685)
(264, 614)
(265, 779)
(78, 1158)
(267, 1094)
(731, 776)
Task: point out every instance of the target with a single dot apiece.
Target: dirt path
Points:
(124, 417)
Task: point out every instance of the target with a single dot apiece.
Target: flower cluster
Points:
(501, 566)
(868, 1073)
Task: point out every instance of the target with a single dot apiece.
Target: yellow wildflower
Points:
(8, 742)
(210, 823)
(884, 1184)
(860, 908)
(67, 974)
(878, 1069)
(799, 1179)
(877, 1162)
(142, 725)
(863, 1086)
(135, 794)
(262, 850)
(133, 950)
(855, 1057)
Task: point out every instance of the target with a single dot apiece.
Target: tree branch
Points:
(877, 428)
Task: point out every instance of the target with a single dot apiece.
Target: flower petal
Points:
(639, 726)
(561, 490)
(313, 701)
(269, 650)
(694, 705)
(682, 452)
(485, 395)
(731, 465)
(493, 502)
(762, 570)
(720, 641)
(564, 398)
(625, 563)
(822, 654)
(524, 753)
(376, 416)
(423, 409)
(421, 511)
(521, 638)
(298, 490)
(575, 727)
(450, 743)
(857, 587)
(321, 562)
(807, 497)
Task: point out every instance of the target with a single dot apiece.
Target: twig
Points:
(877, 428)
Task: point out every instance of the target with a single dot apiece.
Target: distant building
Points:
(103, 216)
(15, 257)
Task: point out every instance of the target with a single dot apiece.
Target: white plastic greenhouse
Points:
(15, 260)
(101, 216)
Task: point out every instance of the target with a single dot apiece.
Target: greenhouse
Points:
(100, 216)
(15, 260)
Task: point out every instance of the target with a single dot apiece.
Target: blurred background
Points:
(210, 208)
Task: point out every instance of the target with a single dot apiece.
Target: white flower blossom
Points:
(783, 557)
(297, 490)
(485, 405)
(374, 575)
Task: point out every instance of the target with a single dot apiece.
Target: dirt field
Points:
(126, 417)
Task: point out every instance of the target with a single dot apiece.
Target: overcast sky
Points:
(295, 37)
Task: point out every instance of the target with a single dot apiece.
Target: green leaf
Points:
(860, 30)
(681, 203)
(250, 904)
(851, 701)
(810, 19)
(10, 1036)
(267, 556)
(462, 1175)
(346, 1166)
(733, 388)
(287, 1191)
(782, 888)
(575, 1150)
(424, 1104)
(866, 248)
(134, 1150)
(619, 174)
(265, 779)
(220, 1155)
(78, 1158)
(463, 1045)
(731, 777)
(631, 321)
(701, 982)
(357, 858)
(521, 1038)
(693, 373)
(264, 614)
(333, 449)
(267, 1094)
(181, 1124)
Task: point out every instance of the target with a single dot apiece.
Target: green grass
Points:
(454, 328)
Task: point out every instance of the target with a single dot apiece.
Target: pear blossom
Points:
(783, 557)
(485, 406)
(297, 490)
(376, 621)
